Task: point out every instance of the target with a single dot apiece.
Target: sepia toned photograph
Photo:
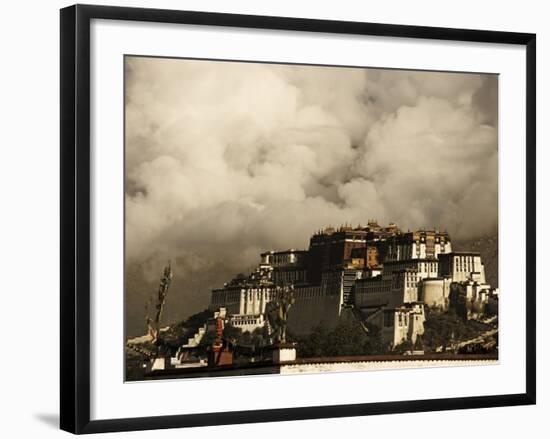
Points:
(287, 219)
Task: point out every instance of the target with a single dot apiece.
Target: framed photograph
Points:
(274, 218)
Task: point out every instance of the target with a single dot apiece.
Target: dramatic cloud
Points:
(225, 160)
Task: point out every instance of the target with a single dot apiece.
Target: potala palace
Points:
(379, 275)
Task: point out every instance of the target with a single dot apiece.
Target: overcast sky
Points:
(225, 160)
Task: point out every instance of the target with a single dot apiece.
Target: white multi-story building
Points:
(462, 267)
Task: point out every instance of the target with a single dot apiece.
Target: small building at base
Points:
(284, 353)
(400, 324)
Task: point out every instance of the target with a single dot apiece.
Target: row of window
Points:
(309, 292)
(464, 264)
(245, 322)
(382, 288)
(226, 297)
(235, 297)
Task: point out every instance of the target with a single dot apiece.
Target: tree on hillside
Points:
(347, 338)
(442, 329)
(231, 333)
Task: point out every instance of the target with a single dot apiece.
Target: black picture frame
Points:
(75, 217)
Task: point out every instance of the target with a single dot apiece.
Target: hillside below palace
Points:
(381, 275)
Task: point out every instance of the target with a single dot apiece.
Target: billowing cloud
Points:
(225, 160)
